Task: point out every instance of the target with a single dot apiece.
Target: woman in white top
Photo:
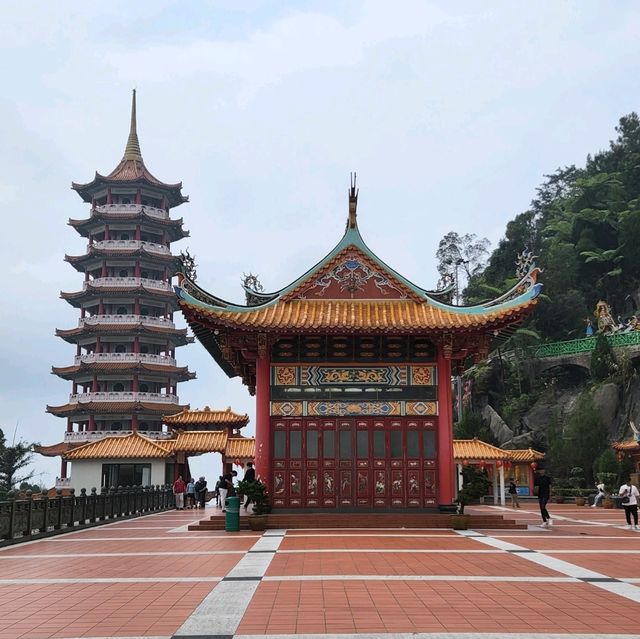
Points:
(629, 492)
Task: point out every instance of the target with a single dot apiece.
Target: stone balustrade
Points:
(129, 209)
(144, 358)
(125, 319)
(122, 396)
(128, 282)
(129, 245)
(93, 435)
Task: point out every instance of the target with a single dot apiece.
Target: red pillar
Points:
(446, 467)
(69, 425)
(63, 469)
(136, 385)
(138, 234)
(104, 269)
(109, 198)
(134, 421)
(263, 425)
(92, 423)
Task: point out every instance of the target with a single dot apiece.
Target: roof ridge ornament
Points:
(132, 150)
(353, 202)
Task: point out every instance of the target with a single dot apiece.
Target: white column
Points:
(459, 476)
(502, 484)
(495, 484)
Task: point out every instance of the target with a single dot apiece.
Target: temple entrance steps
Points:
(364, 520)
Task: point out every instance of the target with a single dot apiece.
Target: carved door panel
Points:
(363, 456)
(345, 453)
(397, 463)
(327, 470)
(430, 467)
(381, 493)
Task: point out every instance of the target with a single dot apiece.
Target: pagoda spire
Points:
(353, 203)
(132, 150)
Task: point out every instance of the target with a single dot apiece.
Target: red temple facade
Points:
(351, 367)
(125, 376)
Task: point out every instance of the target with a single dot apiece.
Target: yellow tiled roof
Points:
(476, 449)
(372, 315)
(241, 447)
(117, 447)
(525, 455)
(199, 441)
(206, 416)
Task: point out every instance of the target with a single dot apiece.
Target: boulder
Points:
(498, 427)
(526, 440)
(606, 400)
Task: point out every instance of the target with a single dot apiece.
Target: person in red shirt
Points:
(179, 489)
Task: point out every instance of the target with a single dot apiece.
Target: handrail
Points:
(584, 345)
(36, 516)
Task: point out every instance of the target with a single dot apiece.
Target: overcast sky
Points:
(451, 113)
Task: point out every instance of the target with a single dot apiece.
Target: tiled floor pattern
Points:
(151, 578)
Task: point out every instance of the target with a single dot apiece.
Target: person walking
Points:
(600, 496)
(630, 494)
(202, 493)
(543, 482)
(249, 475)
(513, 493)
(179, 489)
(191, 493)
(222, 491)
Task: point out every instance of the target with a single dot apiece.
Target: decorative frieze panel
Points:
(353, 375)
(353, 409)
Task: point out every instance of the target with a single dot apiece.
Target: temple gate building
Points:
(125, 376)
(351, 366)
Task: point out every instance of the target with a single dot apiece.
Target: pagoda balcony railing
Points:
(128, 281)
(143, 358)
(122, 396)
(152, 247)
(125, 319)
(93, 435)
(585, 345)
(128, 209)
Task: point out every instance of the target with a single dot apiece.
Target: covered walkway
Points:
(151, 577)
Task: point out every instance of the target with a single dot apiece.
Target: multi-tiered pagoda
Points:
(125, 376)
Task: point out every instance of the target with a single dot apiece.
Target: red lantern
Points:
(465, 462)
(237, 461)
(534, 465)
(498, 464)
(482, 463)
(620, 455)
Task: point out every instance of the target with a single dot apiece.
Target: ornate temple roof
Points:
(350, 291)
(206, 417)
(93, 254)
(477, 449)
(72, 335)
(131, 169)
(114, 406)
(182, 373)
(120, 447)
(91, 292)
(240, 448)
(525, 455)
(208, 441)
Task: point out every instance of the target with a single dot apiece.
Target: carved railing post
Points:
(72, 508)
(58, 524)
(92, 506)
(11, 496)
(83, 506)
(27, 529)
(45, 513)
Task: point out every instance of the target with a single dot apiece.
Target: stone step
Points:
(364, 521)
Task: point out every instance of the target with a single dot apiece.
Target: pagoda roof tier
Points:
(130, 446)
(194, 441)
(90, 292)
(178, 335)
(177, 373)
(240, 448)
(87, 408)
(206, 417)
(130, 171)
(351, 291)
(93, 254)
(151, 218)
(55, 449)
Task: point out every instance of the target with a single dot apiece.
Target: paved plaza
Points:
(151, 577)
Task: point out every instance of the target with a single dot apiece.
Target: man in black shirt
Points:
(249, 475)
(543, 482)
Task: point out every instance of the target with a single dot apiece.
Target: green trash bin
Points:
(232, 516)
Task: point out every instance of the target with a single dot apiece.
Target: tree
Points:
(603, 361)
(13, 459)
(459, 258)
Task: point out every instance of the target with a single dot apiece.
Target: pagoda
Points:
(125, 376)
(351, 365)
